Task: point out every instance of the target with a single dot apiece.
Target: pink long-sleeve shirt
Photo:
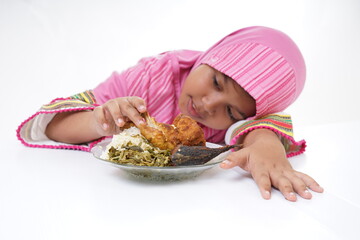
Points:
(158, 80)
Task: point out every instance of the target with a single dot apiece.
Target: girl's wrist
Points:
(94, 127)
(256, 135)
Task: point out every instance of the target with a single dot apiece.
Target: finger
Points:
(138, 103)
(227, 164)
(262, 179)
(99, 114)
(285, 187)
(310, 182)
(299, 186)
(113, 108)
(237, 158)
(105, 121)
(129, 110)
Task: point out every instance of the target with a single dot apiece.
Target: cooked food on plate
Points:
(152, 144)
(183, 131)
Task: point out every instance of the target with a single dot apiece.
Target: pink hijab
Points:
(263, 61)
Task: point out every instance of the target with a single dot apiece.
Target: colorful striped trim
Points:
(64, 104)
(280, 124)
(87, 97)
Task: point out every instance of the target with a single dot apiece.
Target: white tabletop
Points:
(54, 49)
(63, 194)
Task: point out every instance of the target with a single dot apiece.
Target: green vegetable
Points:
(136, 155)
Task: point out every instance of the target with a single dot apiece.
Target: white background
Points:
(54, 48)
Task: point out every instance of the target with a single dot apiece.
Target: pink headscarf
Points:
(263, 61)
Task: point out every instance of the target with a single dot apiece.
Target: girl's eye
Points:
(216, 83)
(231, 116)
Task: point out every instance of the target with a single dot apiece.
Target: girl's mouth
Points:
(192, 109)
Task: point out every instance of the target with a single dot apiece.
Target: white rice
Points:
(130, 135)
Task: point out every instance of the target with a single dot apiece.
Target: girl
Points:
(232, 90)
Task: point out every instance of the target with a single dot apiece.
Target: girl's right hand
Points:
(113, 114)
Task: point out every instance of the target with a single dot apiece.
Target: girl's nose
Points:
(211, 103)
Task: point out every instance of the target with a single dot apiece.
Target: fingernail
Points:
(226, 162)
(141, 122)
(291, 196)
(307, 194)
(316, 188)
(266, 194)
(105, 126)
(120, 121)
(142, 108)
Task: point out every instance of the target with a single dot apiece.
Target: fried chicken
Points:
(183, 131)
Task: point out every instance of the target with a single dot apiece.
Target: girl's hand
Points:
(113, 114)
(264, 157)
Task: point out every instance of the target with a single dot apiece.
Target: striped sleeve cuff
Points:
(280, 123)
(31, 132)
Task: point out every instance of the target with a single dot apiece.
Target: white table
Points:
(62, 194)
(54, 49)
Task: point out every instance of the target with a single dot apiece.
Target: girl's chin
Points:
(183, 107)
(183, 110)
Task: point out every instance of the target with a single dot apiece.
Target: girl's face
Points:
(214, 99)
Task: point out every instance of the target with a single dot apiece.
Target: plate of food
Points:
(161, 152)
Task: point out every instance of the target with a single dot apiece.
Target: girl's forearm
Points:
(260, 134)
(72, 128)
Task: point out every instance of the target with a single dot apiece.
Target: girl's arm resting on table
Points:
(104, 120)
(68, 122)
(73, 128)
(33, 131)
(279, 123)
(264, 155)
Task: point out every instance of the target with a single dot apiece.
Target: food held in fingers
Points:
(152, 144)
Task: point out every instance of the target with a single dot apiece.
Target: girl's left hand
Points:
(264, 157)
